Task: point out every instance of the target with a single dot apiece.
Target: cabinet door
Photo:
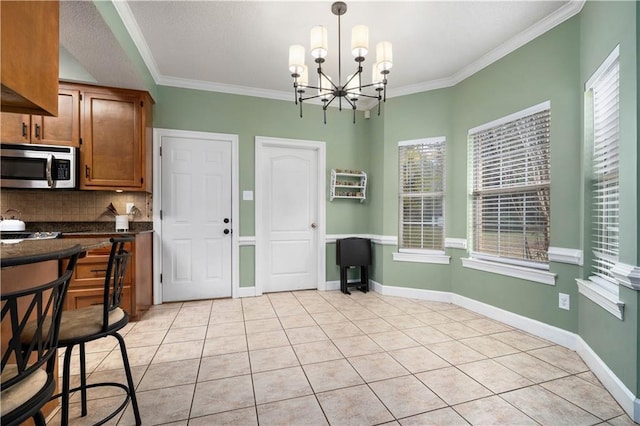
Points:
(15, 128)
(63, 129)
(83, 297)
(111, 152)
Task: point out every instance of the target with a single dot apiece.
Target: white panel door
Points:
(290, 216)
(196, 215)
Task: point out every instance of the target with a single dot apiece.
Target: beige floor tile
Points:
(489, 347)
(256, 314)
(168, 352)
(150, 338)
(590, 377)
(521, 340)
(547, 408)
(137, 356)
(306, 334)
(461, 314)
(357, 405)
(374, 325)
(341, 329)
(244, 416)
(319, 308)
(561, 357)
(92, 361)
(404, 321)
(97, 410)
(170, 374)
(437, 306)
(278, 385)
(216, 396)
(530, 367)
(191, 318)
(357, 345)
(225, 345)
(432, 318)
(378, 366)
(455, 352)
(309, 353)
(105, 344)
(268, 339)
(392, 340)
(457, 330)
(406, 396)
(418, 359)
(117, 376)
(226, 305)
(221, 366)
(294, 321)
(222, 317)
(296, 411)
(623, 420)
(487, 326)
(273, 358)
(161, 406)
(442, 417)
(591, 398)
(283, 311)
(452, 385)
(328, 318)
(185, 334)
(331, 375)
(494, 376)
(427, 335)
(356, 315)
(492, 411)
(226, 329)
(263, 325)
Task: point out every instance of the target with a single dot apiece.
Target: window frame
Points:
(422, 255)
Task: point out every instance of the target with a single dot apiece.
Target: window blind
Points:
(422, 194)
(511, 186)
(605, 186)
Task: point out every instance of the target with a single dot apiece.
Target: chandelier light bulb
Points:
(319, 42)
(296, 59)
(384, 56)
(360, 41)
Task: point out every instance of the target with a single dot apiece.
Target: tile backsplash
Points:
(73, 206)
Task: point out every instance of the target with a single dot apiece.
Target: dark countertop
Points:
(88, 228)
(32, 251)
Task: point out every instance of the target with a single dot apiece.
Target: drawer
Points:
(81, 298)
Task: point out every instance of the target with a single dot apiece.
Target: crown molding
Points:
(565, 12)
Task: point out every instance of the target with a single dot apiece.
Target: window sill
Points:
(601, 297)
(531, 274)
(436, 258)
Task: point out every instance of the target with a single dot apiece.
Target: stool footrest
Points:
(95, 385)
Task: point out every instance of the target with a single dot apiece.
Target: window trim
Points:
(517, 268)
(421, 255)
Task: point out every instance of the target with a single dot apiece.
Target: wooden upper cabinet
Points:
(29, 62)
(61, 130)
(115, 141)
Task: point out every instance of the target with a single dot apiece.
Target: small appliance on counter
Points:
(12, 230)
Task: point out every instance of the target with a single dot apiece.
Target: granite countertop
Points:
(32, 251)
(88, 228)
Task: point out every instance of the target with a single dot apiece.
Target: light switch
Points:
(247, 195)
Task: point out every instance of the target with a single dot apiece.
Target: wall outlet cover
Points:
(564, 301)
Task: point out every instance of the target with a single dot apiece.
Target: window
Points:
(510, 188)
(422, 194)
(604, 93)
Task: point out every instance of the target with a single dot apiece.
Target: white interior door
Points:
(196, 218)
(288, 220)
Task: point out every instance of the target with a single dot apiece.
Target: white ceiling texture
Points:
(242, 47)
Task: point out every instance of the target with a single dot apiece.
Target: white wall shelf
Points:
(348, 184)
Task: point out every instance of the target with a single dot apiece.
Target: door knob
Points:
(313, 225)
(226, 231)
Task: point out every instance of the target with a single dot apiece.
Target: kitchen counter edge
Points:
(32, 251)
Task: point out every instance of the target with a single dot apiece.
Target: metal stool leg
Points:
(66, 373)
(130, 383)
(83, 380)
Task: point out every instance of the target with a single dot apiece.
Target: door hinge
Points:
(160, 151)
(160, 278)
(80, 96)
(160, 214)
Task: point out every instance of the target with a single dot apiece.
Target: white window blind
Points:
(605, 184)
(510, 195)
(422, 194)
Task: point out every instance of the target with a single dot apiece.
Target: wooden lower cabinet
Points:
(87, 284)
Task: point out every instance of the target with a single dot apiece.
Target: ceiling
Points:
(242, 46)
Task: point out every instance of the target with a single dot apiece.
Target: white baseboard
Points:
(614, 385)
(246, 292)
(330, 286)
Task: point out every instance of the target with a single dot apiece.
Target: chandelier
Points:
(352, 89)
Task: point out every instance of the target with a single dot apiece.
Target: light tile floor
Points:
(313, 358)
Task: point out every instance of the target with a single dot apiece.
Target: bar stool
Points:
(80, 326)
(34, 315)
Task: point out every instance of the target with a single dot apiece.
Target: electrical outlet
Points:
(564, 301)
(129, 207)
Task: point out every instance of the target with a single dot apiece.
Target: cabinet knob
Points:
(37, 131)
(24, 130)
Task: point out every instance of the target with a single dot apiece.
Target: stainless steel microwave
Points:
(38, 166)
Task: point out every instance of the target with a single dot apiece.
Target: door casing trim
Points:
(158, 133)
(261, 143)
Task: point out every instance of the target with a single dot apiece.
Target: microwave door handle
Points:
(48, 171)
